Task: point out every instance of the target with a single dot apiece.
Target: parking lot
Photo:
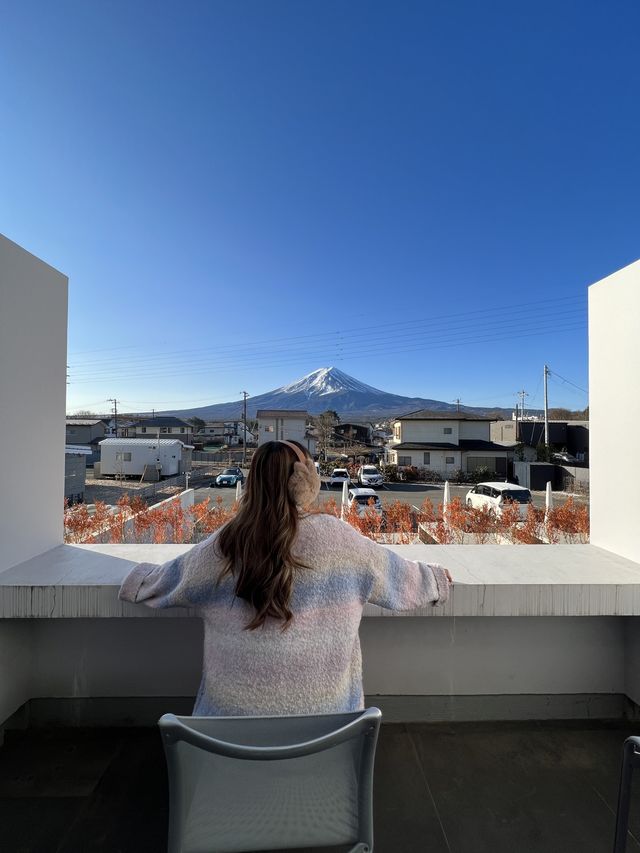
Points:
(411, 493)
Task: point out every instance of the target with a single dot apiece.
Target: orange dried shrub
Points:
(81, 526)
(530, 531)
(207, 518)
(482, 524)
(457, 519)
(368, 522)
(117, 524)
(399, 520)
(374, 520)
(78, 525)
(442, 532)
(569, 521)
(353, 517)
(508, 520)
(427, 514)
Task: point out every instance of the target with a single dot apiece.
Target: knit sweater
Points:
(315, 665)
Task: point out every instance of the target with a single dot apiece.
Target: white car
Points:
(362, 498)
(339, 476)
(368, 475)
(497, 495)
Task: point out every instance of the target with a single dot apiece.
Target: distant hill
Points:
(330, 388)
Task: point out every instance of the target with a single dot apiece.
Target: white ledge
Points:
(73, 581)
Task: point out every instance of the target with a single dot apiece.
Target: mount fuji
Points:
(328, 388)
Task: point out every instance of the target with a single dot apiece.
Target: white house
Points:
(288, 424)
(226, 432)
(444, 442)
(128, 457)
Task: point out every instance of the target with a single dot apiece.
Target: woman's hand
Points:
(449, 578)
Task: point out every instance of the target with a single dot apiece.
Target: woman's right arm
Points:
(390, 580)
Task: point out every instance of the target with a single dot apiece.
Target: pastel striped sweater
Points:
(315, 665)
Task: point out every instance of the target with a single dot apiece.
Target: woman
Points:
(281, 593)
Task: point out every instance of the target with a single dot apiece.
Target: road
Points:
(406, 492)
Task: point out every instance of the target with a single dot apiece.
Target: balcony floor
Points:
(464, 788)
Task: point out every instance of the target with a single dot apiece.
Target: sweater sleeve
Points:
(186, 581)
(390, 580)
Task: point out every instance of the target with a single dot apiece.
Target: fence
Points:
(229, 457)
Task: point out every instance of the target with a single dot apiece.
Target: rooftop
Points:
(282, 413)
(426, 415)
(147, 441)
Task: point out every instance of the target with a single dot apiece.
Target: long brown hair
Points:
(256, 543)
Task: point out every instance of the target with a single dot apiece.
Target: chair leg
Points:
(629, 759)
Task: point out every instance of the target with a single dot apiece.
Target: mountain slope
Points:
(322, 389)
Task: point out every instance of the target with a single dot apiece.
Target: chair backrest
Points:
(263, 783)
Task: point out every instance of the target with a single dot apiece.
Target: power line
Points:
(496, 315)
(568, 381)
(357, 352)
(249, 357)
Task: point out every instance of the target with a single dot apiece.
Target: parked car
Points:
(362, 498)
(495, 496)
(339, 476)
(368, 475)
(565, 458)
(229, 477)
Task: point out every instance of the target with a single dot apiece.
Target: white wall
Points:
(476, 429)
(429, 431)
(614, 371)
(289, 429)
(33, 364)
(403, 657)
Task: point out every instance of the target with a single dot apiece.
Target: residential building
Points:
(86, 432)
(444, 443)
(569, 436)
(354, 433)
(225, 432)
(291, 424)
(163, 425)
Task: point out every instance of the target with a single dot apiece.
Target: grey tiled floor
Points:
(463, 788)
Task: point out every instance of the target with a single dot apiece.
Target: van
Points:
(495, 496)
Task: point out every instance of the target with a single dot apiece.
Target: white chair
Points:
(264, 783)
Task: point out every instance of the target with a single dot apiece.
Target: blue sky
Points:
(241, 192)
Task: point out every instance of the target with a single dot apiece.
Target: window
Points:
(427, 459)
(448, 430)
(143, 429)
(404, 460)
(396, 431)
(123, 457)
(164, 429)
(449, 460)
(181, 429)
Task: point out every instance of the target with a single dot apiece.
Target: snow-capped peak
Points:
(326, 380)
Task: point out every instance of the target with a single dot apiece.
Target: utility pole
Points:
(115, 412)
(522, 394)
(244, 425)
(457, 402)
(546, 408)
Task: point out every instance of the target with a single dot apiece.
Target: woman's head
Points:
(282, 471)
(257, 542)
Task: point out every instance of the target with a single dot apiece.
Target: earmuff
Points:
(304, 483)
